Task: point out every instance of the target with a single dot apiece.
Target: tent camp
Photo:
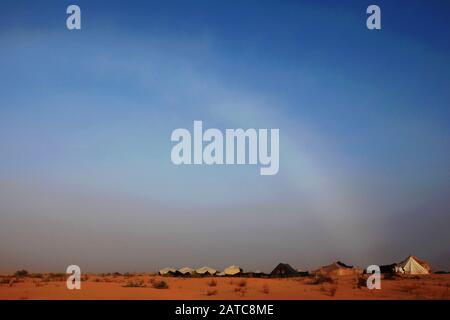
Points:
(185, 271)
(232, 271)
(204, 271)
(413, 265)
(338, 268)
(167, 271)
(283, 270)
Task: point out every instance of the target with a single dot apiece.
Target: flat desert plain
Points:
(146, 286)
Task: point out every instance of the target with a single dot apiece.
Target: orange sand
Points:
(110, 287)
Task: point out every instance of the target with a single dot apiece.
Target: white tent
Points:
(186, 270)
(165, 271)
(206, 270)
(412, 266)
(232, 270)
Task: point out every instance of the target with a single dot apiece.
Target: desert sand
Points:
(146, 286)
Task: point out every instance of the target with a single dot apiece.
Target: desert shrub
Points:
(329, 290)
(361, 282)
(21, 273)
(135, 284)
(212, 283)
(265, 289)
(5, 280)
(320, 279)
(242, 283)
(211, 292)
(160, 284)
(36, 275)
(332, 291)
(240, 290)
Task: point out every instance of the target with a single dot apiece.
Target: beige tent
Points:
(166, 271)
(232, 270)
(206, 271)
(186, 271)
(413, 265)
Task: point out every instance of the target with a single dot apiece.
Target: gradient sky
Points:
(86, 118)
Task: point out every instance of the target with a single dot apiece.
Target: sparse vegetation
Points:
(329, 290)
(211, 292)
(240, 290)
(361, 282)
(134, 284)
(242, 283)
(21, 273)
(160, 284)
(212, 283)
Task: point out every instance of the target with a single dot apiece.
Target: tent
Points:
(232, 271)
(413, 265)
(283, 270)
(167, 271)
(185, 271)
(206, 271)
(338, 268)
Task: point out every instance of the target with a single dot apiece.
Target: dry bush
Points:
(242, 283)
(160, 284)
(361, 282)
(265, 289)
(240, 290)
(212, 283)
(134, 284)
(211, 292)
(329, 290)
(21, 273)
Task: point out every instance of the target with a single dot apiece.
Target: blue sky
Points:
(86, 118)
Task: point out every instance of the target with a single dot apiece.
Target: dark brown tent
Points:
(388, 268)
(283, 270)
